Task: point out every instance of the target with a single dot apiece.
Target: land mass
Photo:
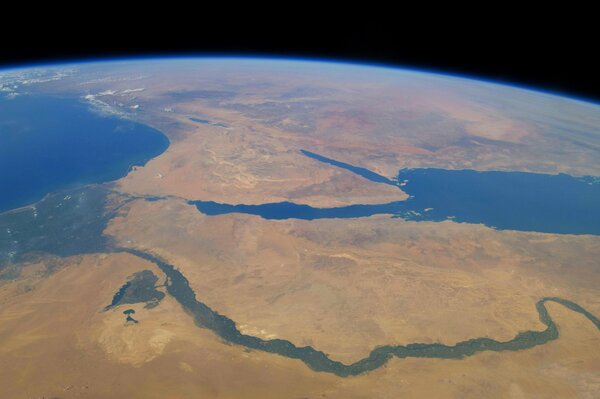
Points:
(237, 305)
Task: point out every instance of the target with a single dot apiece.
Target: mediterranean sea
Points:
(49, 144)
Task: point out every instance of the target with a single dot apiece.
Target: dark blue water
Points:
(48, 144)
(366, 173)
(505, 200)
(117, 298)
(502, 200)
(207, 122)
(289, 210)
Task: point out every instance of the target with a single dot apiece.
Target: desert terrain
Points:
(341, 286)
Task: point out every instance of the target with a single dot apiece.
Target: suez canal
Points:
(178, 287)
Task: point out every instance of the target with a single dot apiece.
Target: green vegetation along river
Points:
(178, 286)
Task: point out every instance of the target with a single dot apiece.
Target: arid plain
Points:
(343, 286)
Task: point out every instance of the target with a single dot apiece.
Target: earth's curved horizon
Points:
(268, 227)
(390, 66)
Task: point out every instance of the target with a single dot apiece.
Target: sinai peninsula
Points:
(272, 228)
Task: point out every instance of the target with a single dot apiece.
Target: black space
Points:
(550, 55)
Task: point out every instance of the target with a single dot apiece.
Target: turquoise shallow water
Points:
(49, 144)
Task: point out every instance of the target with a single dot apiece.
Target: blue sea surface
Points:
(505, 200)
(49, 144)
(290, 210)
